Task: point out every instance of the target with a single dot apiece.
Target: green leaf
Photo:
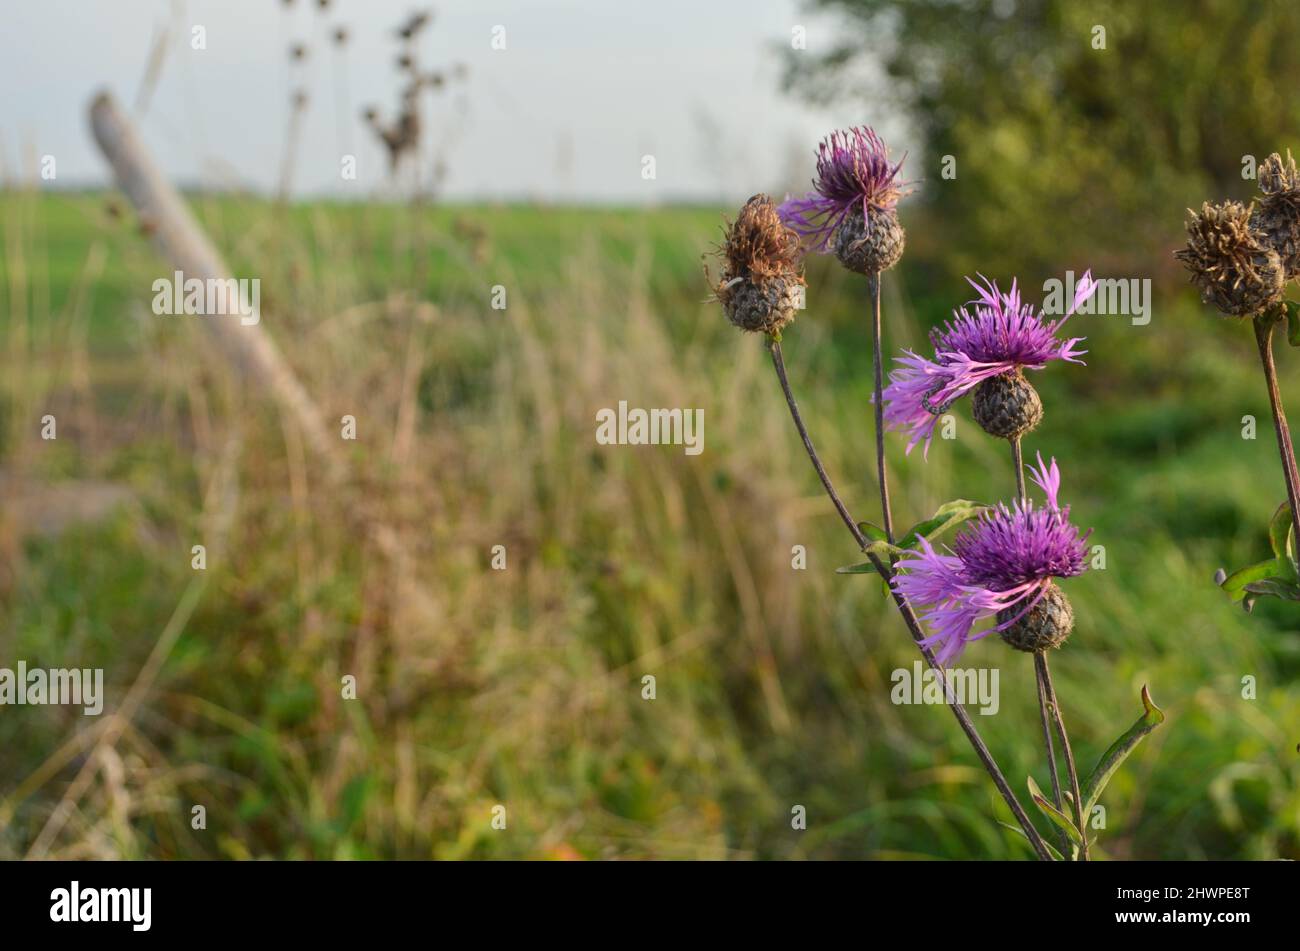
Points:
(1293, 322)
(1281, 536)
(1277, 588)
(879, 546)
(945, 517)
(1057, 817)
(1113, 758)
(866, 568)
(1235, 584)
(873, 531)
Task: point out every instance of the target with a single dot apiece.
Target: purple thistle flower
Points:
(853, 170)
(1001, 336)
(1005, 559)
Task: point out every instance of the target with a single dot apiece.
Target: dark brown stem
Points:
(1040, 665)
(1018, 462)
(873, 287)
(1264, 337)
(1041, 660)
(777, 361)
(909, 618)
(1047, 737)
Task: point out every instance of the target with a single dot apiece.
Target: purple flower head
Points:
(1001, 335)
(1005, 559)
(853, 171)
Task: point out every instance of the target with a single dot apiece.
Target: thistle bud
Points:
(1277, 218)
(762, 280)
(1044, 626)
(1007, 406)
(1230, 262)
(869, 244)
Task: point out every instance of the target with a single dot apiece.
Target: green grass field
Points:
(523, 687)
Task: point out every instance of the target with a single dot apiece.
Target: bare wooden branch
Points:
(181, 240)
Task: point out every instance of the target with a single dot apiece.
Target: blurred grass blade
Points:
(1021, 832)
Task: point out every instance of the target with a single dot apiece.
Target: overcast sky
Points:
(583, 90)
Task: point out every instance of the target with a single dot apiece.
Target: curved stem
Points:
(1264, 338)
(873, 286)
(886, 572)
(777, 361)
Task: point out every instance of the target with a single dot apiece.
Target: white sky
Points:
(582, 91)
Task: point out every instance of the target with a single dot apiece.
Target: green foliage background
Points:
(1067, 152)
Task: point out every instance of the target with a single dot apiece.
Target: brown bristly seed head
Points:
(870, 245)
(1277, 218)
(762, 265)
(1007, 406)
(1044, 626)
(1229, 260)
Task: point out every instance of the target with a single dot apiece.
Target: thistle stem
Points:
(1264, 337)
(1040, 660)
(873, 288)
(1047, 736)
(778, 362)
(1018, 463)
(886, 572)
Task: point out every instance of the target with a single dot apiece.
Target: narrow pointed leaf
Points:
(866, 568)
(947, 516)
(1113, 758)
(1281, 537)
(1292, 310)
(1057, 817)
(1277, 588)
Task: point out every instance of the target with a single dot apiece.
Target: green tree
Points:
(1080, 129)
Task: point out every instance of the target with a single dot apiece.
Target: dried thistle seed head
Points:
(762, 280)
(1277, 217)
(766, 307)
(1044, 626)
(1007, 406)
(869, 244)
(1230, 263)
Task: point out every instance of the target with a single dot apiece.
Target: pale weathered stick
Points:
(182, 242)
(249, 350)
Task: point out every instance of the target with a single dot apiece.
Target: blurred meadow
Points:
(476, 426)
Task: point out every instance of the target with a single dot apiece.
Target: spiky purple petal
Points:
(853, 170)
